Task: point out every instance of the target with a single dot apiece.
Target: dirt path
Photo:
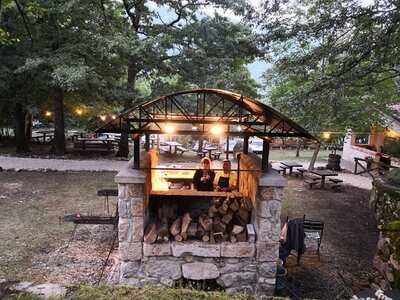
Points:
(19, 163)
(31, 233)
(348, 244)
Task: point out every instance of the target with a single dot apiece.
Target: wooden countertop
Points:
(194, 193)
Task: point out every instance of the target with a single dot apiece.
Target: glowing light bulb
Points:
(79, 111)
(169, 129)
(326, 135)
(47, 113)
(103, 118)
(216, 130)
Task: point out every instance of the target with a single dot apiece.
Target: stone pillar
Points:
(131, 209)
(267, 223)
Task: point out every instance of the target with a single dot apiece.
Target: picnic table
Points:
(209, 149)
(93, 143)
(42, 136)
(173, 144)
(291, 165)
(323, 173)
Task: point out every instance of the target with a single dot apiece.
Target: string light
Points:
(79, 111)
(216, 130)
(169, 129)
(113, 117)
(48, 114)
(103, 118)
(326, 135)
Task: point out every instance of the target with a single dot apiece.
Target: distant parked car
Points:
(256, 146)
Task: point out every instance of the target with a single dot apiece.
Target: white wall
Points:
(350, 152)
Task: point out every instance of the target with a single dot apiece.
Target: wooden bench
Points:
(311, 181)
(94, 145)
(181, 149)
(280, 170)
(201, 154)
(216, 154)
(336, 183)
(335, 180)
(300, 171)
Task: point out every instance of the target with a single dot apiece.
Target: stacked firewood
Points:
(227, 220)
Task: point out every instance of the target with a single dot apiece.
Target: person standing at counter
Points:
(226, 179)
(203, 178)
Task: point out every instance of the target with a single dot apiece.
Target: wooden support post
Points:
(314, 157)
(238, 170)
(147, 141)
(246, 144)
(136, 152)
(265, 156)
(227, 145)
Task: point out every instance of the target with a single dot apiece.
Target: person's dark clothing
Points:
(203, 185)
(223, 182)
(294, 239)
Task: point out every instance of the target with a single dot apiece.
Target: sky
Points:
(257, 68)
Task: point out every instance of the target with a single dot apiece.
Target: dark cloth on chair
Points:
(294, 239)
(203, 185)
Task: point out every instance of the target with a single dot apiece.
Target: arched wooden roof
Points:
(193, 112)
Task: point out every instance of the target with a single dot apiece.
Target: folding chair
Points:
(313, 230)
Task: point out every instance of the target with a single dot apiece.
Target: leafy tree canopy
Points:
(334, 61)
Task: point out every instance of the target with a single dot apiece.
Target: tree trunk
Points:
(22, 145)
(59, 126)
(28, 126)
(123, 146)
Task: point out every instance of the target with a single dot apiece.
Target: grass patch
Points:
(84, 292)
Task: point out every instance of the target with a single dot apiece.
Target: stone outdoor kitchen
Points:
(247, 266)
(169, 233)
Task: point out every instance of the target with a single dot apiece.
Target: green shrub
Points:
(393, 177)
(392, 147)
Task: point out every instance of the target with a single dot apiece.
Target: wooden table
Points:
(42, 134)
(176, 175)
(194, 193)
(291, 165)
(323, 173)
(94, 143)
(173, 144)
(210, 149)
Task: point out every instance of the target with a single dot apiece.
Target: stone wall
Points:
(238, 267)
(385, 199)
